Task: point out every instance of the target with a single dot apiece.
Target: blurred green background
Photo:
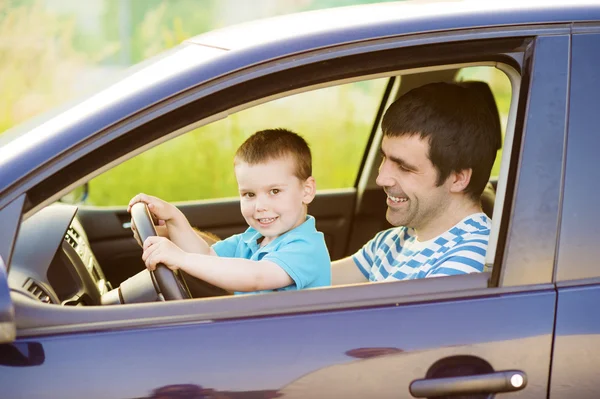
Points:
(52, 51)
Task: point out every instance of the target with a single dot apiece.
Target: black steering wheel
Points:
(167, 282)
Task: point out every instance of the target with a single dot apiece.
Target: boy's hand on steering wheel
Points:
(161, 211)
(161, 230)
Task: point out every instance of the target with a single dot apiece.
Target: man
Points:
(439, 145)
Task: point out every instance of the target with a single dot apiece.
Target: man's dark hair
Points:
(460, 127)
(272, 144)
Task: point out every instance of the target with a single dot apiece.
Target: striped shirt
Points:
(396, 254)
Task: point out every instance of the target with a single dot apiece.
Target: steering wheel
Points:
(167, 282)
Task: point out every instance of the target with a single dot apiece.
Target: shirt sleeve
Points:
(466, 257)
(227, 247)
(304, 260)
(365, 257)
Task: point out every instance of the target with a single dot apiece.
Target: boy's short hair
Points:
(460, 128)
(273, 144)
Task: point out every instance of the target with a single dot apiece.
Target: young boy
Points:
(281, 249)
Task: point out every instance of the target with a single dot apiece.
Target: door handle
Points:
(501, 381)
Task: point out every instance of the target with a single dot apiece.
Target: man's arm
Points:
(345, 271)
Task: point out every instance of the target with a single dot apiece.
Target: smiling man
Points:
(439, 145)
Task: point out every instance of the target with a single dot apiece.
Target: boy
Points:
(281, 249)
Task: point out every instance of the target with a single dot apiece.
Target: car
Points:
(80, 316)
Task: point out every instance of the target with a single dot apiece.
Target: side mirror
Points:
(22, 354)
(8, 330)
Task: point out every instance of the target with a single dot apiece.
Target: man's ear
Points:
(310, 190)
(460, 180)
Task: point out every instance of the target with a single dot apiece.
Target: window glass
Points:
(335, 121)
(501, 89)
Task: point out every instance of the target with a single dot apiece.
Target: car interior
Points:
(75, 254)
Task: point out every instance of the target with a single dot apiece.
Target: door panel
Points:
(353, 353)
(121, 257)
(576, 347)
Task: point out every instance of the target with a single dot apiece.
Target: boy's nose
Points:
(260, 205)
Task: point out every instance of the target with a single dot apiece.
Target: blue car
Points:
(81, 317)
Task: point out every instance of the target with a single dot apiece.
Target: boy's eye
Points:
(248, 195)
(275, 191)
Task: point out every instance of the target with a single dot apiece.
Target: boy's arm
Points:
(345, 271)
(236, 274)
(185, 237)
(232, 274)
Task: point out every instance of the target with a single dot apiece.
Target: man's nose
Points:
(384, 178)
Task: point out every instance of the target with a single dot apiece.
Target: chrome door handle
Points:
(501, 381)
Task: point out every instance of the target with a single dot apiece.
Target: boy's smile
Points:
(272, 199)
(266, 222)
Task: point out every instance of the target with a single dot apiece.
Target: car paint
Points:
(280, 353)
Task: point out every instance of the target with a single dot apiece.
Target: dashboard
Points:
(53, 262)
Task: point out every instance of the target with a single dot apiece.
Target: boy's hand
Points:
(161, 231)
(161, 250)
(161, 211)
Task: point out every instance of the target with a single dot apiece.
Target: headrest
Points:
(483, 90)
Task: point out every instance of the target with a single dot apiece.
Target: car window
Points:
(199, 164)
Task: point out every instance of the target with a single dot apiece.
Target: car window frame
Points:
(40, 319)
(576, 255)
(36, 184)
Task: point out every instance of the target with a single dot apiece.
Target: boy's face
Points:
(273, 200)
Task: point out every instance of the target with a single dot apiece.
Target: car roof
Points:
(223, 51)
(405, 16)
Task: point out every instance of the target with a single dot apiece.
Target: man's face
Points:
(409, 179)
(272, 198)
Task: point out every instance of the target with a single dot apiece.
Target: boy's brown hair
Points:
(273, 144)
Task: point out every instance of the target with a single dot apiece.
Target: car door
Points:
(576, 353)
(492, 331)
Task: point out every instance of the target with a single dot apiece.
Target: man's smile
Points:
(397, 199)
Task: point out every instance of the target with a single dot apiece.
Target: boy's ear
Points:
(310, 190)
(460, 180)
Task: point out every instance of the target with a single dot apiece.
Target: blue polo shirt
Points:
(301, 252)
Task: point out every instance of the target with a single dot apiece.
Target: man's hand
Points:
(162, 250)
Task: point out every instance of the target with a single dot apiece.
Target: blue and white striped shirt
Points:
(396, 254)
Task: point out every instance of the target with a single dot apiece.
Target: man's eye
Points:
(275, 191)
(404, 168)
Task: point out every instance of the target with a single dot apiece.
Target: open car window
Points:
(199, 164)
(98, 235)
